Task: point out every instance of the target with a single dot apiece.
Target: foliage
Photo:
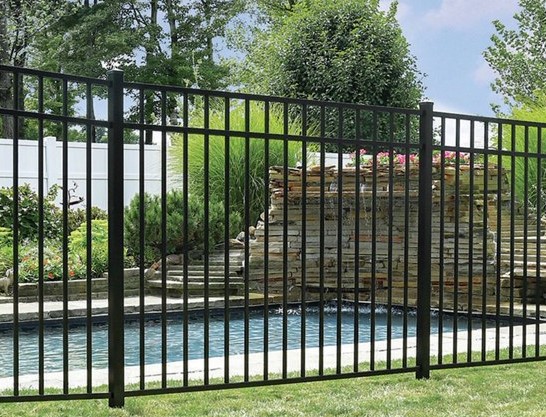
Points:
(28, 215)
(518, 56)
(6, 236)
(400, 159)
(53, 269)
(28, 212)
(88, 40)
(153, 223)
(329, 66)
(327, 50)
(21, 23)
(99, 246)
(6, 250)
(216, 153)
(29, 267)
(274, 10)
(159, 41)
(77, 217)
(527, 170)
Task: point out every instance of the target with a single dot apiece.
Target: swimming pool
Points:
(77, 336)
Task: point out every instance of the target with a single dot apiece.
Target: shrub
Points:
(152, 226)
(6, 250)
(99, 246)
(216, 152)
(28, 212)
(175, 225)
(76, 217)
(77, 259)
(52, 263)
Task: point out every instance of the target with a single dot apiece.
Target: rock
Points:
(236, 243)
(175, 259)
(7, 281)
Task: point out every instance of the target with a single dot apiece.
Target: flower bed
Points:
(402, 159)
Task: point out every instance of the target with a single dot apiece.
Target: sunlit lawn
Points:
(503, 390)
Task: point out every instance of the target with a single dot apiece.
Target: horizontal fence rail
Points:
(272, 241)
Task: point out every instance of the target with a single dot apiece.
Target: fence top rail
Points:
(265, 98)
(210, 93)
(486, 119)
(269, 99)
(34, 114)
(55, 75)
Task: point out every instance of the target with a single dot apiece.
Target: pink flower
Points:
(353, 156)
(383, 157)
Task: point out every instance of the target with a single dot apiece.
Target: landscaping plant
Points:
(174, 238)
(99, 246)
(78, 216)
(28, 212)
(237, 161)
(6, 250)
(527, 170)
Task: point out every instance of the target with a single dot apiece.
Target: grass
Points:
(502, 390)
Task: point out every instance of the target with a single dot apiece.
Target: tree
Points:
(518, 56)
(528, 169)
(181, 52)
(89, 40)
(326, 50)
(331, 51)
(155, 41)
(273, 10)
(20, 22)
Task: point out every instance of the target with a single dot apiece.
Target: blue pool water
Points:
(77, 337)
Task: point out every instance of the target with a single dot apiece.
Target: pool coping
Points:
(54, 310)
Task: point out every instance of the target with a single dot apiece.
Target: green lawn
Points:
(507, 390)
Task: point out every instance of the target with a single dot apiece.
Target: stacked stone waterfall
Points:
(463, 232)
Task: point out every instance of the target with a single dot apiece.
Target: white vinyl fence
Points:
(53, 168)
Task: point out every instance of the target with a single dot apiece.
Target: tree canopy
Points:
(347, 51)
(518, 56)
(156, 41)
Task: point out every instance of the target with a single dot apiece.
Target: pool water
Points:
(77, 336)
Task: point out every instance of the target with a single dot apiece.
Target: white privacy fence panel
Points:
(77, 168)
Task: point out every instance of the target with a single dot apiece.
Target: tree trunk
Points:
(5, 78)
(149, 106)
(208, 21)
(171, 18)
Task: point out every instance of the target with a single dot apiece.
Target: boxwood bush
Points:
(174, 225)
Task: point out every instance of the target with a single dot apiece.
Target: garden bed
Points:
(77, 288)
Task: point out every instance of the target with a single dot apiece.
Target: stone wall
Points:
(394, 265)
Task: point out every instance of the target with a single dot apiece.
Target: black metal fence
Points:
(290, 240)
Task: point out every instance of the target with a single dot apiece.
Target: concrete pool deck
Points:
(29, 312)
(153, 373)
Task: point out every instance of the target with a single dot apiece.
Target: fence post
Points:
(53, 162)
(424, 236)
(116, 343)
